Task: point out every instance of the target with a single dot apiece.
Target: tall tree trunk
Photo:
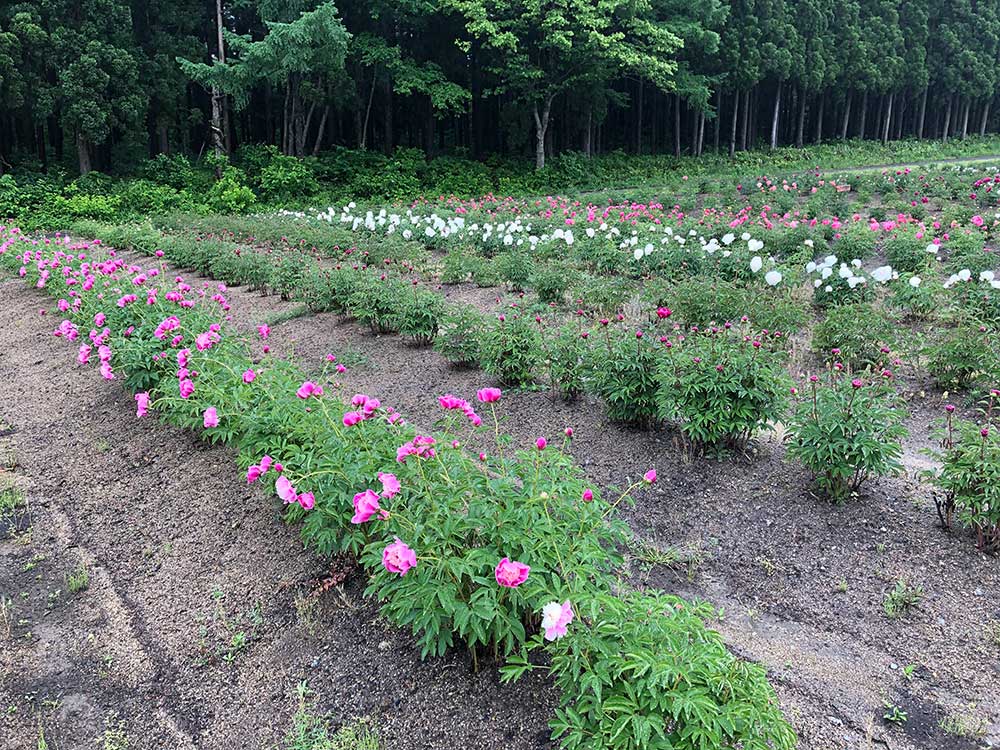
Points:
(901, 108)
(888, 119)
(819, 119)
(701, 132)
(864, 116)
(638, 119)
(363, 145)
(745, 128)
(321, 130)
(220, 116)
(774, 118)
(732, 128)
(677, 125)
(541, 128)
(923, 112)
(83, 154)
(947, 119)
(718, 120)
(984, 118)
(847, 117)
(800, 129)
(965, 119)
(389, 144)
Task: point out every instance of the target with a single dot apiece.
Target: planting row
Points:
(509, 554)
(718, 384)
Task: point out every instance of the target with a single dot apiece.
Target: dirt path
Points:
(182, 559)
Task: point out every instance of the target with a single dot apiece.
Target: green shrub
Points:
(459, 335)
(722, 387)
(847, 430)
(624, 368)
(230, 194)
(969, 477)
(510, 349)
(962, 354)
(858, 335)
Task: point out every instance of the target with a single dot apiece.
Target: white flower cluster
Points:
(827, 273)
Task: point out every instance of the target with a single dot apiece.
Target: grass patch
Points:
(310, 731)
(901, 599)
(78, 580)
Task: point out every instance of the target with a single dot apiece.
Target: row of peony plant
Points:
(719, 385)
(509, 555)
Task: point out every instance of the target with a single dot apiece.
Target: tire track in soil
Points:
(171, 534)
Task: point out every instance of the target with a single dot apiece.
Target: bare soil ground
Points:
(182, 555)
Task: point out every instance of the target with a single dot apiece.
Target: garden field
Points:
(708, 461)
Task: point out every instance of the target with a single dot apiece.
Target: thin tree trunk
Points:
(368, 110)
(701, 133)
(983, 119)
(864, 116)
(923, 112)
(638, 119)
(947, 120)
(732, 128)
(888, 119)
(819, 119)
(746, 120)
(800, 129)
(965, 119)
(677, 125)
(718, 120)
(389, 144)
(774, 118)
(847, 117)
(221, 137)
(321, 130)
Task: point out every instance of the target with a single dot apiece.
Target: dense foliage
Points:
(102, 84)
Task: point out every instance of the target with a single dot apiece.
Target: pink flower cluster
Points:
(422, 446)
(450, 402)
(287, 492)
(367, 408)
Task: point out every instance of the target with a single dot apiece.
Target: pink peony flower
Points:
(555, 619)
(398, 558)
(253, 474)
(588, 495)
(141, 403)
(309, 388)
(186, 388)
(306, 500)
(265, 464)
(248, 376)
(390, 485)
(285, 490)
(510, 573)
(211, 418)
(488, 395)
(264, 330)
(365, 506)
(649, 476)
(541, 443)
(351, 418)
(84, 354)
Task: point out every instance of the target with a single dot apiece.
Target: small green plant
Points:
(909, 671)
(78, 580)
(567, 361)
(894, 714)
(551, 282)
(966, 725)
(847, 430)
(11, 499)
(418, 315)
(901, 599)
